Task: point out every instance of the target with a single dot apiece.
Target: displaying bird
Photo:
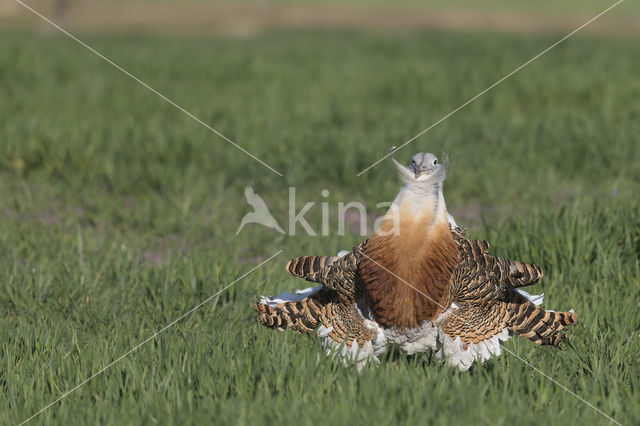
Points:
(418, 283)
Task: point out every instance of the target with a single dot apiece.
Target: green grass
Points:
(119, 214)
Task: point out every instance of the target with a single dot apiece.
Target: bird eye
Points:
(435, 161)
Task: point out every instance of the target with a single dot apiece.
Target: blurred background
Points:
(118, 211)
(319, 91)
(251, 17)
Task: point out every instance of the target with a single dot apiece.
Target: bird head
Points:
(424, 169)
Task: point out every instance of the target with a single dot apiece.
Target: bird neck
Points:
(420, 203)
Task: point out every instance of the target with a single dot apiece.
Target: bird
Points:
(418, 284)
(260, 215)
(414, 244)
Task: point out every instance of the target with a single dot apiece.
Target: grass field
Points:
(119, 214)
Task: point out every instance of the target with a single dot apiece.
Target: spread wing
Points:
(485, 306)
(481, 276)
(337, 273)
(476, 332)
(490, 307)
(306, 266)
(331, 309)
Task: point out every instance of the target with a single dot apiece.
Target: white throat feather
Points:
(422, 189)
